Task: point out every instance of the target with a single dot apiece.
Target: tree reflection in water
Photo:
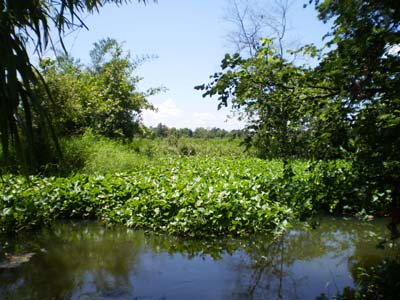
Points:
(85, 261)
(70, 260)
(342, 249)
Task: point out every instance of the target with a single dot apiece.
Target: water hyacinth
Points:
(188, 196)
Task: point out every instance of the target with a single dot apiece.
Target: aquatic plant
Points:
(188, 196)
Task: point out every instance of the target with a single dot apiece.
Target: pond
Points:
(86, 261)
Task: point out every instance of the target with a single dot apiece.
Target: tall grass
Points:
(95, 154)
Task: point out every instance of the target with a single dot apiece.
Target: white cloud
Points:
(204, 119)
(167, 111)
(169, 114)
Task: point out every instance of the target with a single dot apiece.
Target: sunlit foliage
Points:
(25, 126)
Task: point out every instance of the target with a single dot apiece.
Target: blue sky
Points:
(189, 38)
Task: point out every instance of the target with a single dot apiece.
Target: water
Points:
(85, 261)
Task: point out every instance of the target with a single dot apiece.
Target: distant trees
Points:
(161, 131)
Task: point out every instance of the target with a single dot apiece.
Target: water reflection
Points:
(85, 261)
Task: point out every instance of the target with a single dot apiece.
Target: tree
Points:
(270, 93)
(364, 68)
(115, 107)
(66, 81)
(348, 106)
(254, 20)
(102, 96)
(262, 81)
(23, 21)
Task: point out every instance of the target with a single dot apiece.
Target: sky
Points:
(189, 39)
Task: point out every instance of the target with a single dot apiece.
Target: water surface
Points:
(86, 261)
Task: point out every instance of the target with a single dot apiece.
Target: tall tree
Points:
(23, 21)
(364, 68)
(270, 93)
(102, 96)
(252, 20)
(261, 80)
(349, 103)
(115, 109)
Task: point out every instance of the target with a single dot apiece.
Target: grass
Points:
(91, 154)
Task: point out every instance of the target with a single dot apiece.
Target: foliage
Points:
(23, 118)
(65, 80)
(347, 106)
(378, 281)
(273, 95)
(187, 196)
(102, 96)
(363, 68)
(162, 130)
(92, 153)
(115, 106)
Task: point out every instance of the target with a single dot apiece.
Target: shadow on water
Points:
(85, 261)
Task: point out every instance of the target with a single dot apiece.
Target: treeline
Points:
(161, 131)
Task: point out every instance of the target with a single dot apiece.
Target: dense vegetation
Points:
(164, 131)
(102, 96)
(91, 153)
(330, 131)
(157, 184)
(26, 128)
(345, 107)
(190, 196)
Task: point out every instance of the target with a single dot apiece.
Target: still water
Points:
(86, 261)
